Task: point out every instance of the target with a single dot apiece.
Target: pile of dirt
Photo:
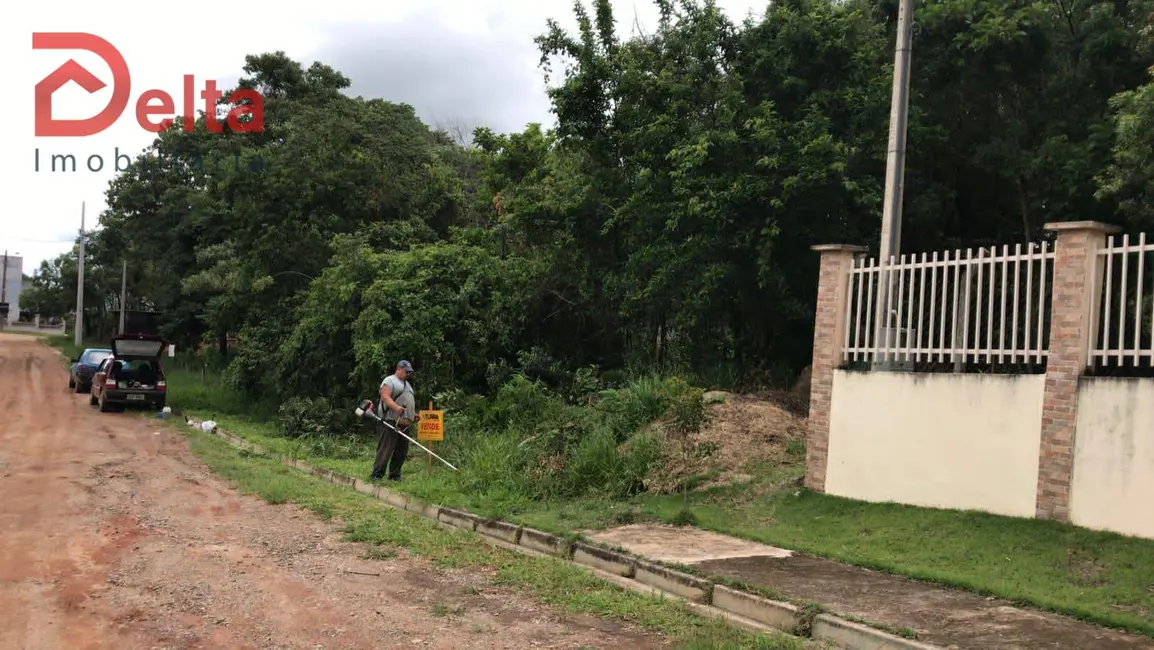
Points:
(740, 432)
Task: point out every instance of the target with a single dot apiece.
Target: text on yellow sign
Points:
(431, 425)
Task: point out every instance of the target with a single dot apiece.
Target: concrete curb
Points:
(501, 530)
(783, 616)
(395, 499)
(700, 609)
(604, 559)
(544, 543)
(423, 509)
(740, 608)
(457, 519)
(847, 634)
(674, 582)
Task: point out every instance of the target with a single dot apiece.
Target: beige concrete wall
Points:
(1113, 483)
(962, 441)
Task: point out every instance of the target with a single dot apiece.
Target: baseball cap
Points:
(405, 365)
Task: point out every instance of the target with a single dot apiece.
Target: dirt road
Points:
(113, 535)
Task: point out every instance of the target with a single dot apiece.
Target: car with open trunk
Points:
(132, 375)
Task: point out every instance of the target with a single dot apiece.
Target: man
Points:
(397, 407)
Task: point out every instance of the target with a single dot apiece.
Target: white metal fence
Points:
(978, 306)
(1124, 336)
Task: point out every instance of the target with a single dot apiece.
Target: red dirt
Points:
(113, 535)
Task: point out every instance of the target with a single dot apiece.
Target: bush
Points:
(528, 442)
(309, 416)
(585, 384)
(687, 410)
(641, 455)
(453, 400)
(646, 400)
(523, 406)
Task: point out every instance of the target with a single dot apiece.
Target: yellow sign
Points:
(431, 426)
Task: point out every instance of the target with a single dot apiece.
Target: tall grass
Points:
(189, 390)
(529, 444)
(523, 445)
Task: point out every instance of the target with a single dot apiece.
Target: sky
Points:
(457, 62)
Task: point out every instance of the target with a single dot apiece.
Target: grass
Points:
(1099, 577)
(66, 344)
(550, 581)
(443, 609)
(187, 385)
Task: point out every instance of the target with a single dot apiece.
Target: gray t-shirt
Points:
(402, 394)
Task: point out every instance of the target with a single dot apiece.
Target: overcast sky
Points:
(456, 61)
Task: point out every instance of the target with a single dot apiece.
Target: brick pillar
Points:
(1077, 292)
(828, 337)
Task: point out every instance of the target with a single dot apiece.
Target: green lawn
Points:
(550, 581)
(1099, 577)
(65, 344)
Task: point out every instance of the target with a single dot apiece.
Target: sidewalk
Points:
(939, 616)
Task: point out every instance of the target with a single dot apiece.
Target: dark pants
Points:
(392, 448)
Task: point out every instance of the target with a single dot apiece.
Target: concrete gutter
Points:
(740, 608)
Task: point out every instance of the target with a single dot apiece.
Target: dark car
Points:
(132, 375)
(84, 367)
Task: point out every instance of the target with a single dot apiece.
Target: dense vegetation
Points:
(663, 226)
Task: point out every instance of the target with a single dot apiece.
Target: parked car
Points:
(132, 375)
(84, 367)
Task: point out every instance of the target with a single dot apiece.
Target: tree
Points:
(1129, 177)
(664, 224)
(53, 290)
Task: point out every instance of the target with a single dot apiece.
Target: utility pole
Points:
(4, 293)
(79, 328)
(123, 290)
(891, 236)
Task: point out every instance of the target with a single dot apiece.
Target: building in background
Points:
(12, 280)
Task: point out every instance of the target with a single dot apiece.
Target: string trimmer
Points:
(366, 408)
